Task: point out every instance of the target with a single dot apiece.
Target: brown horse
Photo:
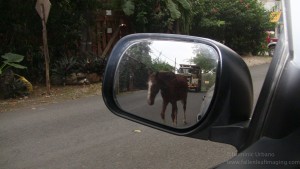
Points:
(173, 88)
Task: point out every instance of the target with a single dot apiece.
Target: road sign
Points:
(43, 8)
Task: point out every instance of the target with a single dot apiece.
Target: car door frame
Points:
(270, 118)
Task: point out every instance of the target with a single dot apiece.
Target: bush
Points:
(62, 69)
(71, 70)
(240, 24)
(90, 63)
(13, 85)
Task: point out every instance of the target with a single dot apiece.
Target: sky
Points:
(169, 51)
(182, 52)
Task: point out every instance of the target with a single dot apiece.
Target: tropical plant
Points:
(11, 60)
(12, 84)
(127, 6)
(17, 86)
(89, 63)
(173, 16)
(159, 65)
(62, 68)
(68, 23)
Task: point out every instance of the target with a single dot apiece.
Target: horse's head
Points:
(153, 87)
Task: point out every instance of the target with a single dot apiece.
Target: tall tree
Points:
(173, 16)
(240, 24)
(159, 65)
(135, 66)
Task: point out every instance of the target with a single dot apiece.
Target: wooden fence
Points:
(109, 28)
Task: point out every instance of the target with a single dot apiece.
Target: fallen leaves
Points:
(137, 131)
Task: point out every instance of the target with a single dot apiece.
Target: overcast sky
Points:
(182, 52)
(169, 51)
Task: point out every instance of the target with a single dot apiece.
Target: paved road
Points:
(136, 103)
(82, 134)
(258, 74)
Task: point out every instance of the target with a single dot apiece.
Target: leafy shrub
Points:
(67, 66)
(13, 85)
(62, 68)
(93, 65)
(11, 60)
(241, 25)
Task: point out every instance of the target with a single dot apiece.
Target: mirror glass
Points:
(169, 82)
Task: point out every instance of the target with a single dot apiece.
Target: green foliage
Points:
(68, 23)
(158, 65)
(240, 24)
(66, 66)
(206, 58)
(184, 4)
(134, 67)
(173, 8)
(206, 63)
(210, 79)
(11, 85)
(62, 68)
(171, 16)
(128, 8)
(11, 60)
(11, 57)
(21, 29)
(18, 26)
(91, 64)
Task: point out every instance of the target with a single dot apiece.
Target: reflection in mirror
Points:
(169, 82)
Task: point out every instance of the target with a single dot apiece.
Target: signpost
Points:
(43, 8)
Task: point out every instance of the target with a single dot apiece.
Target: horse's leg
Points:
(184, 108)
(174, 113)
(162, 114)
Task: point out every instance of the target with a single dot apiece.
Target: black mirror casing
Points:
(231, 105)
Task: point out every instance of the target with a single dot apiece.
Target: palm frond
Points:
(185, 4)
(173, 8)
(128, 7)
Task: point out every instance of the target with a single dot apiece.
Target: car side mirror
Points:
(177, 83)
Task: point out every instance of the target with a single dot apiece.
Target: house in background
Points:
(272, 5)
(275, 7)
(108, 26)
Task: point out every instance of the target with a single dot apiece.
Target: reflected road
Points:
(136, 103)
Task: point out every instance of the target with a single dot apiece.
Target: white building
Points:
(275, 7)
(272, 5)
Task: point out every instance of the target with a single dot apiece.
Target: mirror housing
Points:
(230, 109)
